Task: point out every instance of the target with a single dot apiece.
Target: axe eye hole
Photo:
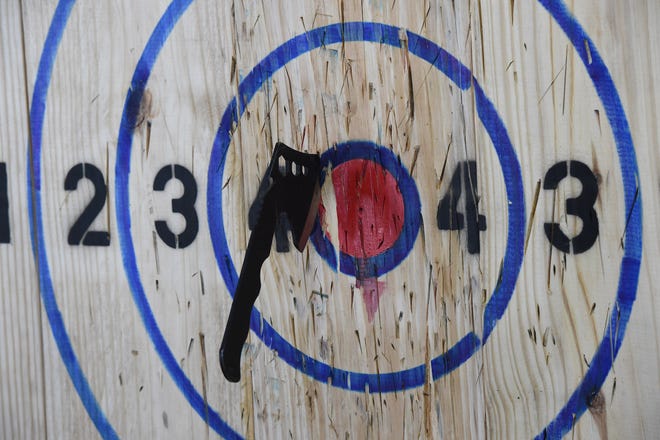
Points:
(282, 165)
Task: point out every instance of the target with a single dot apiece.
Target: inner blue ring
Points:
(372, 267)
(461, 77)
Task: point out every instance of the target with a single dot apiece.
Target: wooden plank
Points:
(22, 412)
(145, 314)
(629, 389)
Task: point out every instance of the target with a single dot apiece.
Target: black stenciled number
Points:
(449, 219)
(79, 232)
(4, 205)
(581, 207)
(184, 205)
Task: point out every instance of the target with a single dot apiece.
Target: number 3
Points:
(581, 207)
(184, 205)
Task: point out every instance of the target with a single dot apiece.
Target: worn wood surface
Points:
(538, 352)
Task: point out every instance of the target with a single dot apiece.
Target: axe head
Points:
(292, 181)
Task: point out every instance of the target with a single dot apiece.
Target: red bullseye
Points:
(370, 208)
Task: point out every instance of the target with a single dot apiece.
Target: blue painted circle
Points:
(37, 112)
(382, 263)
(609, 346)
(463, 79)
(601, 362)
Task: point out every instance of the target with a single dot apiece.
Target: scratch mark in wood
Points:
(325, 118)
(481, 37)
(254, 25)
(411, 92)
(201, 282)
(554, 207)
(630, 211)
(512, 4)
(588, 49)
(155, 244)
(444, 163)
(532, 214)
(107, 176)
(342, 19)
(546, 334)
(550, 85)
(190, 344)
(427, 388)
(377, 360)
(235, 33)
(319, 14)
(145, 111)
(426, 16)
(148, 138)
(204, 373)
(227, 182)
(357, 335)
(563, 102)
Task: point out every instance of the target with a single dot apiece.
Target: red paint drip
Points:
(372, 290)
(370, 209)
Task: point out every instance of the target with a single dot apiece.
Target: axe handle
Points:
(247, 291)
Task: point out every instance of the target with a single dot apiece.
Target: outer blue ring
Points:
(37, 111)
(610, 344)
(462, 77)
(387, 260)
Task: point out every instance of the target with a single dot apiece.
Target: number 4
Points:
(449, 219)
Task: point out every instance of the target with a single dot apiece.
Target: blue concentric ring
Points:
(461, 76)
(609, 346)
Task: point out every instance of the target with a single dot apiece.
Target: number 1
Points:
(4, 205)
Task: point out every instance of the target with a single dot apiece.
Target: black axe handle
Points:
(247, 291)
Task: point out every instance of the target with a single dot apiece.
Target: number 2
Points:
(79, 231)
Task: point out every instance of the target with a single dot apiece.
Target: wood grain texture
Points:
(22, 388)
(538, 352)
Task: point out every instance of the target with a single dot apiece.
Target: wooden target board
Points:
(482, 261)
